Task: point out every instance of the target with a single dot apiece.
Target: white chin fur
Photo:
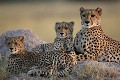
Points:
(89, 26)
(62, 37)
(13, 52)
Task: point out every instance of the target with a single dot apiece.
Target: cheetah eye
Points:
(8, 43)
(92, 15)
(16, 43)
(83, 15)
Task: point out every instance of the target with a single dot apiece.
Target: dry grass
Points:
(3, 63)
(96, 72)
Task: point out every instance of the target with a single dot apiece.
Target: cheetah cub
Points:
(91, 43)
(21, 61)
(63, 40)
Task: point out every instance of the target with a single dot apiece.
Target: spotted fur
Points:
(21, 61)
(63, 40)
(91, 43)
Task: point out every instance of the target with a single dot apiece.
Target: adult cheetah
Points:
(91, 43)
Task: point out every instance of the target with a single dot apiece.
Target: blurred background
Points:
(40, 16)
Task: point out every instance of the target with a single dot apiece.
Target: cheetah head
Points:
(15, 44)
(90, 17)
(64, 29)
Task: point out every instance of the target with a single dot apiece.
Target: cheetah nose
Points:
(61, 33)
(86, 22)
(11, 48)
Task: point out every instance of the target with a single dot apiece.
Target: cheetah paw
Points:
(32, 73)
(61, 74)
(45, 74)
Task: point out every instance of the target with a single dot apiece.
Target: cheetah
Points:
(21, 61)
(91, 43)
(63, 40)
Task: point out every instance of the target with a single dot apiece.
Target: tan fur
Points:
(91, 43)
(15, 44)
(23, 61)
(63, 40)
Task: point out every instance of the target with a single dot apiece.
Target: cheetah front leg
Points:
(40, 72)
(88, 55)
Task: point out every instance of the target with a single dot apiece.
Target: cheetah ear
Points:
(81, 9)
(99, 10)
(57, 24)
(71, 23)
(21, 38)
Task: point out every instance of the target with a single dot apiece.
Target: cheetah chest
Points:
(83, 41)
